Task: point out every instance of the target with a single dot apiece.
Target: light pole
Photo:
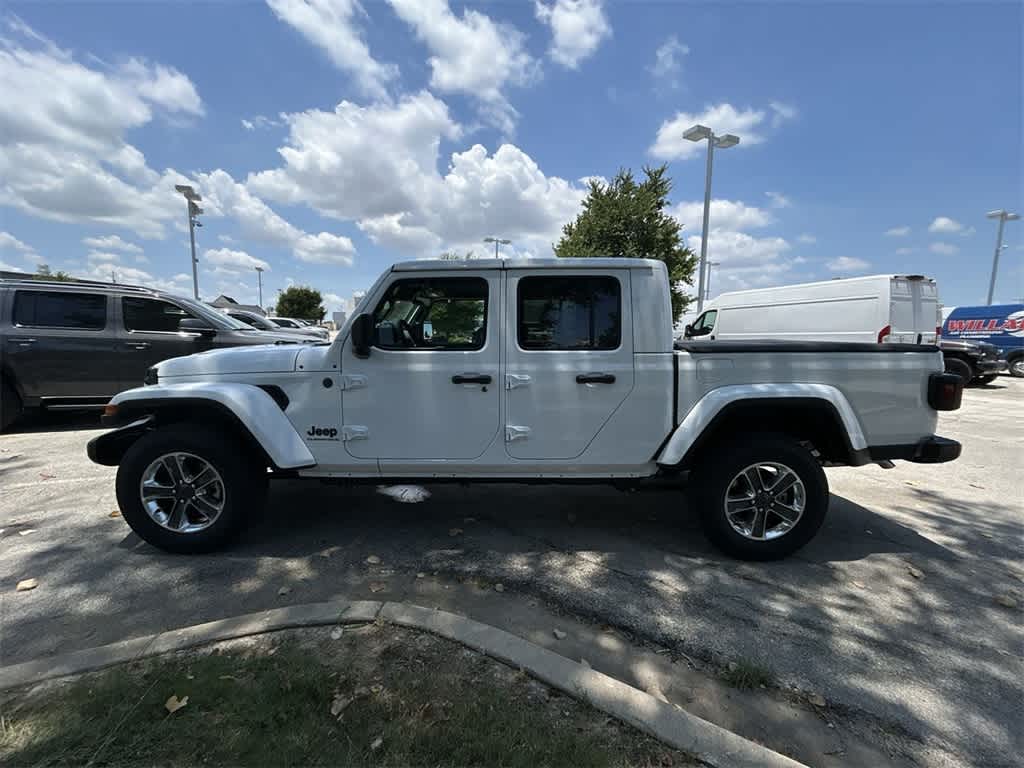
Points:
(192, 207)
(699, 133)
(1003, 217)
(497, 241)
(707, 291)
(259, 284)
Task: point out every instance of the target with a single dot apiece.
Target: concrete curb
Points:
(674, 726)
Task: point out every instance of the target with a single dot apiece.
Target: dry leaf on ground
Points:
(378, 586)
(173, 704)
(26, 584)
(115, 513)
(559, 634)
(373, 560)
(284, 591)
(377, 743)
(917, 573)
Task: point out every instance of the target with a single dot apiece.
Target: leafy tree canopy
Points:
(43, 272)
(302, 302)
(629, 219)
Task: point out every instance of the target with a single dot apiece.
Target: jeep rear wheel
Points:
(761, 498)
(187, 489)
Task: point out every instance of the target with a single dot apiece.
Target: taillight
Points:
(945, 391)
(884, 334)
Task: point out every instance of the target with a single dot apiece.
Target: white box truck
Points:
(895, 309)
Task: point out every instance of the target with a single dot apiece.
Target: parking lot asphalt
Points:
(906, 608)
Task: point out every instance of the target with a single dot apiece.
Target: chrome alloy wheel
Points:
(182, 492)
(765, 501)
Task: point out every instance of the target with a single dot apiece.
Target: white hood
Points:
(258, 358)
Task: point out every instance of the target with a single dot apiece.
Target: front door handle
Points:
(595, 378)
(471, 378)
(139, 344)
(22, 342)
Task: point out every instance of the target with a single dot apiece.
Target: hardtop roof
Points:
(548, 263)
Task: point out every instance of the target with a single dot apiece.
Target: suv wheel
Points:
(960, 368)
(762, 498)
(1017, 367)
(187, 489)
(10, 405)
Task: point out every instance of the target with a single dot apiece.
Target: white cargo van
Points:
(898, 309)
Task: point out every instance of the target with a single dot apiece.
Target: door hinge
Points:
(353, 381)
(353, 432)
(515, 380)
(516, 433)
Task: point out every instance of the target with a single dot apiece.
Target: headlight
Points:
(151, 376)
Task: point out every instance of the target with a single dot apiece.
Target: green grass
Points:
(430, 702)
(748, 674)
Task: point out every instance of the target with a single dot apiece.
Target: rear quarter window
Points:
(60, 309)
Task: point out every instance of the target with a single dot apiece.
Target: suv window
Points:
(434, 313)
(151, 315)
(569, 312)
(60, 309)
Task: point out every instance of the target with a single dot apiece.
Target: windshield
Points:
(215, 318)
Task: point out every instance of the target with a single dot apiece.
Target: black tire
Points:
(714, 475)
(10, 405)
(960, 368)
(1016, 365)
(243, 475)
(988, 378)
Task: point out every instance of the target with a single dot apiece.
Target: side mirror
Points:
(362, 335)
(688, 331)
(195, 325)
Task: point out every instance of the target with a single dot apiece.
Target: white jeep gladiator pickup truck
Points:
(546, 370)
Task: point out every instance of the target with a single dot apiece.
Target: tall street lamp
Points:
(1003, 217)
(699, 133)
(259, 284)
(192, 202)
(497, 241)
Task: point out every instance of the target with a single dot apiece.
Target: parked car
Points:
(894, 309)
(261, 323)
(538, 370)
(974, 362)
(77, 344)
(1001, 325)
(291, 323)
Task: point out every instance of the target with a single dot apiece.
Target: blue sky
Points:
(329, 138)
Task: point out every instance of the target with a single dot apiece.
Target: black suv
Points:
(76, 344)
(976, 362)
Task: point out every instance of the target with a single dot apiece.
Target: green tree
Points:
(629, 219)
(302, 302)
(43, 272)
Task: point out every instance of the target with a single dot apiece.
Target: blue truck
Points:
(999, 324)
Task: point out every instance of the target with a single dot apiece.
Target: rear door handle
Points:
(595, 378)
(471, 378)
(139, 344)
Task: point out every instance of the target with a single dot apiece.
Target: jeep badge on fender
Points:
(324, 433)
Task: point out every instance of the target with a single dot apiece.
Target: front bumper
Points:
(930, 450)
(989, 366)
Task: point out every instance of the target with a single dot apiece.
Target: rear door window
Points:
(60, 309)
(151, 315)
(569, 313)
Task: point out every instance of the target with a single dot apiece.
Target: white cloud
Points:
(257, 122)
(778, 200)
(233, 262)
(63, 153)
(668, 62)
(847, 264)
(722, 118)
(112, 242)
(378, 166)
(472, 55)
(325, 248)
(745, 261)
(10, 242)
(897, 232)
(944, 224)
(577, 29)
(903, 251)
(807, 239)
(95, 257)
(781, 112)
(725, 215)
(5, 267)
(332, 26)
(944, 249)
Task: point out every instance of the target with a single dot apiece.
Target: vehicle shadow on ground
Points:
(637, 561)
(55, 421)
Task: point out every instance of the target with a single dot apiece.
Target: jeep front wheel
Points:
(760, 498)
(187, 489)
